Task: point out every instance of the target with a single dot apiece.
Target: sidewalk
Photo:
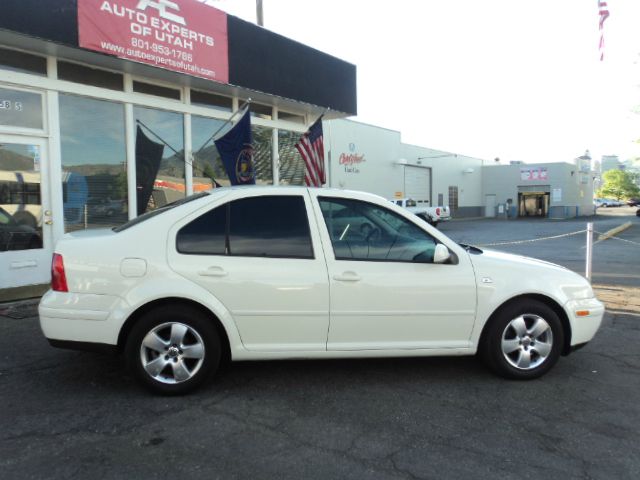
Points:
(619, 299)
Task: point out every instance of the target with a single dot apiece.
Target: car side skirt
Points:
(84, 346)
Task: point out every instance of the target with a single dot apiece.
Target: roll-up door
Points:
(417, 184)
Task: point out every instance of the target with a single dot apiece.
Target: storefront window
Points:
(211, 100)
(159, 158)
(22, 62)
(94, 168)
(262, 144)
(20, 109)
(291, 163)
(207, 165)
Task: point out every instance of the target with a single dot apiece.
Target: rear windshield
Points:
(158, 211)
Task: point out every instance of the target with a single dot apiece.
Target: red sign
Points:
(185, 36)
(350, 158)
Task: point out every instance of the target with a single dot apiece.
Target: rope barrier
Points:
(570, 234)
(531, 240)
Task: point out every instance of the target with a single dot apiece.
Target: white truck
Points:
(433, 215)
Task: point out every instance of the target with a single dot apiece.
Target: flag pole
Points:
(246, 104)
(184, 158)
(329, 153)
(160, 138)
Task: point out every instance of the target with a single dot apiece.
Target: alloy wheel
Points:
(527, 341)
(172, 352)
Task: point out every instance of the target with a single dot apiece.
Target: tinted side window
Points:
(273, 226)
(206, 235)
(365, 231)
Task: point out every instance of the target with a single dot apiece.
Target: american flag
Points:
(311, 147)
(604, 14)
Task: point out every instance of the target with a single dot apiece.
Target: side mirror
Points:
(441, 254)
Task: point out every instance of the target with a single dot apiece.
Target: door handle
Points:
(213, 272)
(347, 277)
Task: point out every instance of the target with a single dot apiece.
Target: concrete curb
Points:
(20, 309)
(614, 231)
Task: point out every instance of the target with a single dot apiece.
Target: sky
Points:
(513, 79)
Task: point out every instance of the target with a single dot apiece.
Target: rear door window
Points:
(268, 226)
(273, 226)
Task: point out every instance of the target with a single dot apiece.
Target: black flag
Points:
(148, 157)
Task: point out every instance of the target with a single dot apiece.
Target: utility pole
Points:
(259, 15)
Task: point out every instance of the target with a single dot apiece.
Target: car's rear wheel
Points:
(173, 350)
(523, 341)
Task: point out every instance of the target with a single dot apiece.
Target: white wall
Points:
(363, 156)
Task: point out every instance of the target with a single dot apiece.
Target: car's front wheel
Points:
(173, 350)
(523, 341)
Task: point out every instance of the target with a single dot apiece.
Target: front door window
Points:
(365, 231)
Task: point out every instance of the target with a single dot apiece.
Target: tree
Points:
(618, 184)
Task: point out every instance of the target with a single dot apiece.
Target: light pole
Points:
(259, 15)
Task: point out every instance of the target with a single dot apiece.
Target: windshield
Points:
(153, 213)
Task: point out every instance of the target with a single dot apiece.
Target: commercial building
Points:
(87, 87)
(374, 159)
(553, 190)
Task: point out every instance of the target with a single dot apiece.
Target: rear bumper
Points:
(583, 328)
(77, 318)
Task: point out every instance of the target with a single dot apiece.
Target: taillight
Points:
(438, 211)
(58, 277)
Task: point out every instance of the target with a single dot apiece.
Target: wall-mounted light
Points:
(468, 170)
(401, 161)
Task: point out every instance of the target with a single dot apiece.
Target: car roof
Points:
(271, 189)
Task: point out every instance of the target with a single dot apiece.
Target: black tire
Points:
(543, 350)
(427, 219)
(178, 357)
(435, 224)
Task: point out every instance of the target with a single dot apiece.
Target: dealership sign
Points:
(185, 36)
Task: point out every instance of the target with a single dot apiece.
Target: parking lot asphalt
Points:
(79, 415)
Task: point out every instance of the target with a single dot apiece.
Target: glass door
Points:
(25, 212)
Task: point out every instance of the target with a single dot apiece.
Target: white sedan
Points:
(265, 273)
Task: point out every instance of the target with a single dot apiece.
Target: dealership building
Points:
(85, 83)
(88, 88)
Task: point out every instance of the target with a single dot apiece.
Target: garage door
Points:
(417, 183)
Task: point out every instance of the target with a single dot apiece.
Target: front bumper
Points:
(584, 327)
